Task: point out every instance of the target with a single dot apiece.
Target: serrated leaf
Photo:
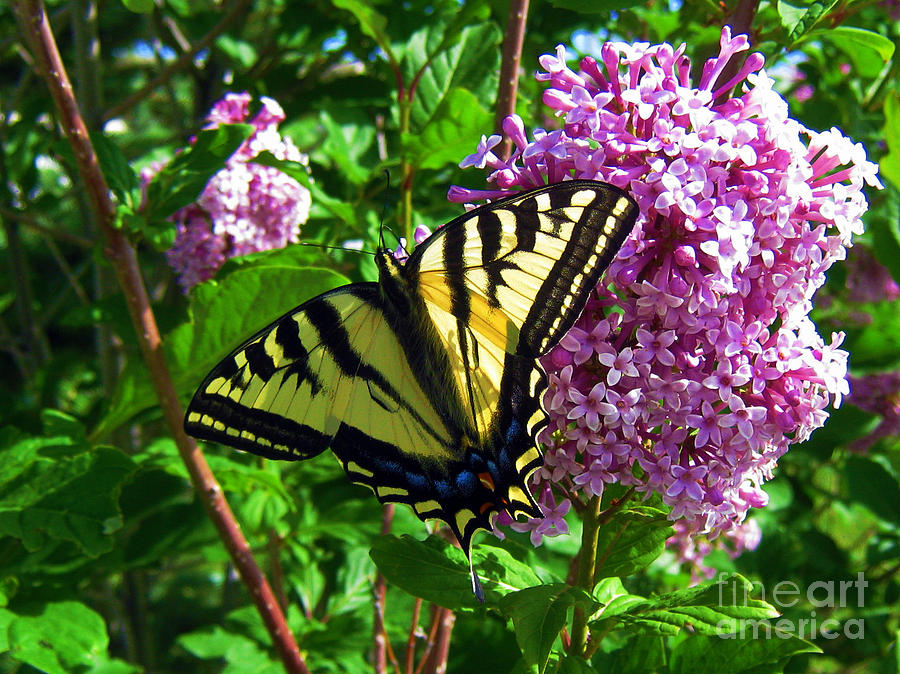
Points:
(182, 180)
(472, 63)
(539, 614)
(453, 131)
(57, 637)
(70, 496)
(713, 655)
(631, 540)
(711, 608)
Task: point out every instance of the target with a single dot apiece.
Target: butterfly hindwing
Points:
(340, 372)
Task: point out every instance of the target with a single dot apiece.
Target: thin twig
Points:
(379, 630)
(509, 67)
(31, 222)
(67, 271)
(430, 639)
(36, 29)
(436, 662)
(411, 642)
(179, 64)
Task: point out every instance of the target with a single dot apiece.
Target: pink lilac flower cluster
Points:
(245, 207)
(710, 368)
(879, 394)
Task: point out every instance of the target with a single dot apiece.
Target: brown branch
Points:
(509, 68)
(430, 638)
(379, 630)
(411, 642)
(36, 29)
(741, 19)
(741, 22)
(437, 659)
(181, 63)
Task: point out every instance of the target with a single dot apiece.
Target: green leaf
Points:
(346, 141)
(370, 21)
(453, 132)
(870, 484)
(715, 655)
(240, 50)
(799, 17)
(472, 63)
(631, 540)
(539, 614)
(224, 314)
(714, 608)
(500, 572)
(120, 177)
(876, 344)
(644, 653)
(240, 653)
(432, 569)
(56, 423)
(438, 572)
(884, 230)
(294, 169)
(574, 665)
(889, 165)
(57, 637)
(139, 6)
(60, 489)
(868, 50)
(339, 209)
(182, 180)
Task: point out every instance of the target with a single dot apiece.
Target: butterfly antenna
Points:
(341, 248)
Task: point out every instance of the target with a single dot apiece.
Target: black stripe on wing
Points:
(594, 242)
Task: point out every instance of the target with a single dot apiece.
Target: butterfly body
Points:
(425, 385)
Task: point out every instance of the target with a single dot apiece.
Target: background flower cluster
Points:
(695, 365)
(245, 207)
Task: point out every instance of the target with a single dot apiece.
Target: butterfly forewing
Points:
(533, 258)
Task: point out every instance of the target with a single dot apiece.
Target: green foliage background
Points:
(107, 560)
